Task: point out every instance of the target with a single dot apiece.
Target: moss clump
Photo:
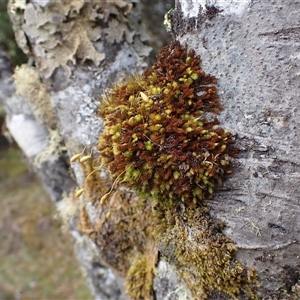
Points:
(136, 277)
(189, 239)
(139, 279)
(159, 136)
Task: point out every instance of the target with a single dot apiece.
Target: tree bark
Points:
(251, 47)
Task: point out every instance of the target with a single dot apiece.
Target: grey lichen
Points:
(64, 31)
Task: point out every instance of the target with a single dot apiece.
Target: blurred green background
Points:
(36, 257)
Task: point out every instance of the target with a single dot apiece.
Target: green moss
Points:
(189, 239)
(136, 277)
(139, 279)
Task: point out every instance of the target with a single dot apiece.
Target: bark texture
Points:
(252, 47)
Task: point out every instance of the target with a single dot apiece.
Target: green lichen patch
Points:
(159, 136)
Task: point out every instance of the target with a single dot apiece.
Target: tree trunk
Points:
(252, 48)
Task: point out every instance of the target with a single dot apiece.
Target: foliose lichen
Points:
(64, 32)
(161, 136)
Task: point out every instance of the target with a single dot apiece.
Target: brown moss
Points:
(158, 139)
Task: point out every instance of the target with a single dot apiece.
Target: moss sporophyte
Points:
(162, 139)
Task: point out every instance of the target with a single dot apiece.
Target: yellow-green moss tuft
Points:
(139, 279)
(189, 239)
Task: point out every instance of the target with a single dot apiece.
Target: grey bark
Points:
(253, 50)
